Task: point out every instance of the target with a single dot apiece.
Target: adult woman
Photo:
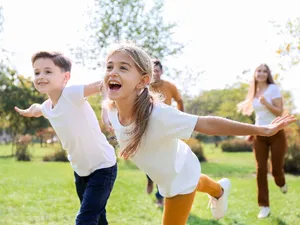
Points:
(265, 99)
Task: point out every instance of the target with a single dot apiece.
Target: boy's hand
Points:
(33, 111)
(23, 112)
(278, 124)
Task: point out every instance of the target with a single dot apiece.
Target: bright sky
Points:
(225, 37)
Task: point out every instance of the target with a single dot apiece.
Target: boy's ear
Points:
(67, 76)
(145, 80)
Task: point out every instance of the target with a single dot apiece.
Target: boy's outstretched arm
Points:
(93, 88)
(35, 110)
(219, 126)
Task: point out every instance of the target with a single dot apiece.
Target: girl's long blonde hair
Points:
(143, 104)
(245, 107)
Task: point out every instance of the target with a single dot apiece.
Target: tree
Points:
(119, 20)
(220, 102)
(289, 51)
(18, 91)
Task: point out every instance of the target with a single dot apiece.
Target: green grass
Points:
(44, 193)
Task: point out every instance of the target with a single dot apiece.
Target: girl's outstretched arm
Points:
(212, 125)
(93, 88)
(35, 110)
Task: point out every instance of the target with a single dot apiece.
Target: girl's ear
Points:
(145, 80)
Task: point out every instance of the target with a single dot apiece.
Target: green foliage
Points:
(196, 147)
(59, 155)
(290, 47)
(220, 102)
(18, 91)
(236, 145)
(1, 20)
(292, 158)
(22, 153)
(135, 20)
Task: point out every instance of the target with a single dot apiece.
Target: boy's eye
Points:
(36, 73)
(123, 68)
(48, 71)
(109, 68)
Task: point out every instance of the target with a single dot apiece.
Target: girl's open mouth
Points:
(114, 86)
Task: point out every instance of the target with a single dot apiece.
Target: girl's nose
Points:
(113, 73)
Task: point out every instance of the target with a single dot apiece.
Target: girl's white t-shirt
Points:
(77, 127)
(166, 159)
(263, 116)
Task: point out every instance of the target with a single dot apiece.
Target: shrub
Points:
(292, 159)
(236, 145)
(59, 155)
(22, 143)
(196, 147)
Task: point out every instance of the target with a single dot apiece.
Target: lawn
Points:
(41, 193)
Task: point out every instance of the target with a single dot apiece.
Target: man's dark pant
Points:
(93, 192)
(157, 194)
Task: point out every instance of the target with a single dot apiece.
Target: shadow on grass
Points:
(193, 220)
(6, 156)
(280, 222)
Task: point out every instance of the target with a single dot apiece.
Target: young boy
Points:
(92, 158)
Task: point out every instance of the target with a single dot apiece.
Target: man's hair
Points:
(59, 60)
(157, 62)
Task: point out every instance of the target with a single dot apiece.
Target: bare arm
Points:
(177, 98)
(211, 125)
(276, 107)
(35, 110)
(106, 121)
(180, 105)
(93, 88)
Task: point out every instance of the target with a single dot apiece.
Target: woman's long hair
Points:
(245, 107)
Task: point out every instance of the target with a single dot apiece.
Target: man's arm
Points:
(177, 97)
(35, 110)
(93, 88)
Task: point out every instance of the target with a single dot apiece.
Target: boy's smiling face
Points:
(49, 78)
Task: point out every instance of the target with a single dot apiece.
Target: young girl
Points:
(265, 99)
(149, 135)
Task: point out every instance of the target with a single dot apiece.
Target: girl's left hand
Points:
(278, 124)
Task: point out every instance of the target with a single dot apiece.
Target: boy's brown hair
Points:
(59, 60)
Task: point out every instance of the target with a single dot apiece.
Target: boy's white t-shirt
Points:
(263, 116)
(77, 127)
(166, 159)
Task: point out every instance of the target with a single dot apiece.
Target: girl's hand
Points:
(262, 100)
(278, 124)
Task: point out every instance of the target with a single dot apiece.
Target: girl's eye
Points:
(109, 68)
(36, 73)
(48, 71)
(123, 68)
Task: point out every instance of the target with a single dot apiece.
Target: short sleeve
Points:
(176, 124)
(45, 106)
(75, 94)
(275, 92)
